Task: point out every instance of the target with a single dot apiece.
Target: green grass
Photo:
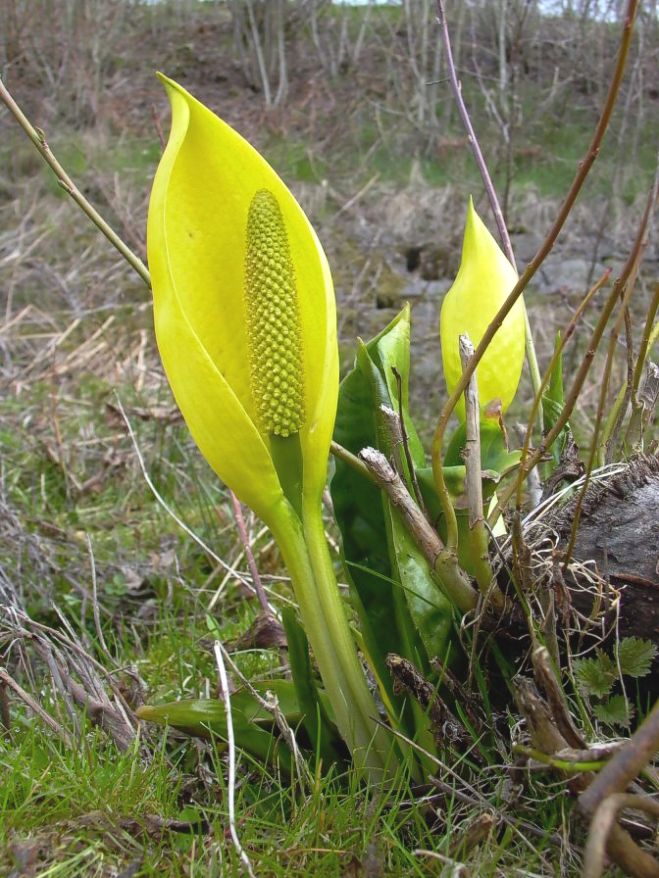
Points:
(88, 810)
(91, 809)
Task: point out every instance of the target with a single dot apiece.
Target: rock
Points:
(559, 274)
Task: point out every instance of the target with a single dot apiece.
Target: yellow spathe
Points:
(197, 244)
(484, 280)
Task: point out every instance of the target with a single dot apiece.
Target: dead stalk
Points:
(443, 562)
(625, 284)
(35, 707)
(456, 88)
(249, 555)
(478, 536)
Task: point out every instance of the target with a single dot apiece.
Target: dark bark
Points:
(619, 531)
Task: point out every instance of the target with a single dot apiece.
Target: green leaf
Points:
(595, 676)
(429, 608)
(635, 656)
(401, 609)
(360, 516)
(253, 725)
(615, 711)
(323, 735)
(552, 404)
(496, 459)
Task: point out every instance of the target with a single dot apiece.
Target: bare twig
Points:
(566, 335)
(352, 461)
(548, 440)
(478, 536)
(38, 138)
(95, 605)
(471, 134)
(606, 836)
(625, 284)
(647, 334)
(231, 742)
(249, 555)
(487, 181)
(406, 441)
(161, 500)
(270, 703)
(443, 562)
(546, 678)
(625, 765)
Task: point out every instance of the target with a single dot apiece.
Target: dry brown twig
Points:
(456, 88)
(453, 579)
(38, 138)
(642, 747)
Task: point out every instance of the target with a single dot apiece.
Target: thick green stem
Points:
(306, 555)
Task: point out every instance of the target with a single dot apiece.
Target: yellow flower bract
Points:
(484, 280)
(210, 235)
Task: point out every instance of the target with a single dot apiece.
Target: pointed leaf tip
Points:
(484, 280)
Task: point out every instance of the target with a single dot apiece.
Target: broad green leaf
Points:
(360, 515)
(431, 611)
(635, 656)
(402, 609)
(595, 676)
(615, 711)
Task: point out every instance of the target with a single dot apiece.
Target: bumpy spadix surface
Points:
(273, 319)
(484, 280)
(210, 230)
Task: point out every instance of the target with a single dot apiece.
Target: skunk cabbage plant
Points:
(246, 329)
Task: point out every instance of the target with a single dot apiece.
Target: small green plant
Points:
(596, 678)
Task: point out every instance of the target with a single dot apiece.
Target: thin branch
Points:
(606, 836)
(443, 562)
(38, 138)
(35, 707)
(471, 134)
(527, 464)
(625, 765)
(614, 421)
(95, 604)
(352, 461)
(168, 509)
(478, 536)
(625, 284)
(579, 179)
(406, 441)
(270, 703)
(645, 340)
